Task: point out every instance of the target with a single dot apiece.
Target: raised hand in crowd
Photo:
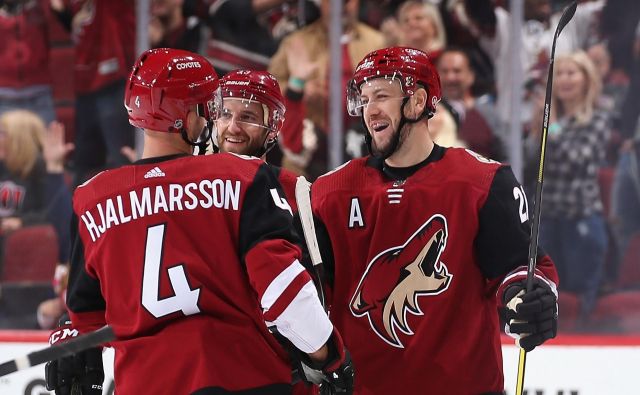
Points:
(54, 147)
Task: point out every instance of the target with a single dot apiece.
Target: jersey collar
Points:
(402, 173)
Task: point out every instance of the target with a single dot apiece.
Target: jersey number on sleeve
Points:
(280, 202)
(518, 194)
(184, 299)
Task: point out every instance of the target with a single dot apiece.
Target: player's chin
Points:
(236, 148)
(381, 148)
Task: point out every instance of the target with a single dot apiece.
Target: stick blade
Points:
(567, 14)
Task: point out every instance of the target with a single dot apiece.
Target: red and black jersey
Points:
(415, 258)
(189, 259)
(288, 180)
(24, 53)
(104, 32)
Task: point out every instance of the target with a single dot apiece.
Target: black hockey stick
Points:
(533, 244)
(60, 350)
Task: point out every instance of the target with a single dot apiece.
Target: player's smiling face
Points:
(382, 100)
(241, 128)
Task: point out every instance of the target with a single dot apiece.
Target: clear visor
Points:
(245, 112)
(212, 109)
(373, 91)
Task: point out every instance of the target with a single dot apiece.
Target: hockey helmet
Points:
(411, 67)
(260, 87)
(165, 83)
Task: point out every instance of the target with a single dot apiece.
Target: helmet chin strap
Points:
(266, 145)
(396, 138)
(203, 141)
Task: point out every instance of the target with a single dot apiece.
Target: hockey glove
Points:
(531, 317)
(82, 371)
(337, 369)
(339, 379)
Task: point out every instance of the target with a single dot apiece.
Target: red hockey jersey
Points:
(187, 258)
(414, 263)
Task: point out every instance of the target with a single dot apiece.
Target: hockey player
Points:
(423, 243)
(186, 257)
(252, 116)
(253, 111)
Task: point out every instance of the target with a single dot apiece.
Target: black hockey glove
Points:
(339, 380)
(337, 370)
(82, 371)
(530, 317)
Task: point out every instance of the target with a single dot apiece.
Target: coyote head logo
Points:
(395, 278)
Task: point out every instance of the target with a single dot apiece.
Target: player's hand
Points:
(81, 372)
(340, 379)
(530, 317)
(337, 368)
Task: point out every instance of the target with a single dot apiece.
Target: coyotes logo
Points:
(395, 278)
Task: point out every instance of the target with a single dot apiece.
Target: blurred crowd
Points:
(63, 65)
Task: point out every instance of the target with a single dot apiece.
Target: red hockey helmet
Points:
(411, 67)
(165, 83)
(260, 87)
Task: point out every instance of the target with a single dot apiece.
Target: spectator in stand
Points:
(614, 82)
(301, 66)
(573, 228)
(422, 27)
(51, 310)
(245, 33)
(25, 82)
(444, 127)
(171, 28)
(104, 36)
(492, 30)
(31, 176)
(479, 124)
(625, 197)
(618, 25)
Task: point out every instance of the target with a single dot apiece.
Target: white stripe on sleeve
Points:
(279, 284)
(304, 321)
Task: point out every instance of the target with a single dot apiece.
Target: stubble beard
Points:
(387, 148)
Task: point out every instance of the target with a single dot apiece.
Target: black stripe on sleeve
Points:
(83, 292)
(260, 218)
(502, 242)
(326, 252)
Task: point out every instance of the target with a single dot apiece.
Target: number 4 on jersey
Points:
(184, 299)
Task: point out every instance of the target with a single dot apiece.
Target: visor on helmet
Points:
(356, 102)
(212, 109)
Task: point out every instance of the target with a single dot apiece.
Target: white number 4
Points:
(184, 299)
(518, 194)
(280, 202)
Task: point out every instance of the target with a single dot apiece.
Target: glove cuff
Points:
(336, 352)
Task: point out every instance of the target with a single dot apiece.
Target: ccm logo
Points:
(62, 334)
(188, 65)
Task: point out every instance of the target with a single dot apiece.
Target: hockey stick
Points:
(306, 218)
(60, 350)
(533, 244)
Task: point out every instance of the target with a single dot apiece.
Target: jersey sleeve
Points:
(85, 302)
(502, 243)
(269, 247)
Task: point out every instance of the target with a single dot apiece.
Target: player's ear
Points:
(421, 98)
